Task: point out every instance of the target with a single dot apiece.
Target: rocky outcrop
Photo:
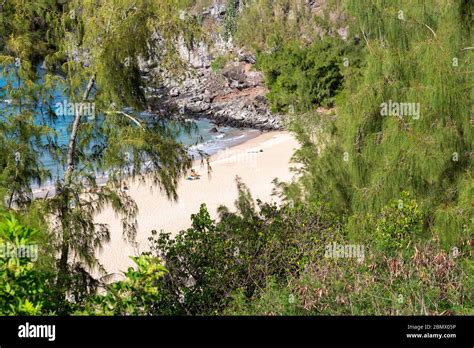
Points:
(234, 96)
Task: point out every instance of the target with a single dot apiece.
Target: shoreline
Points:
(49, 189)
(256, 161)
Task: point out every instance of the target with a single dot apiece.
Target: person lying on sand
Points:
(194, 175)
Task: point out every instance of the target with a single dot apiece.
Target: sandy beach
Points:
(257, 162)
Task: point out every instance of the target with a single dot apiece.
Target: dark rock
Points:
(234, 73)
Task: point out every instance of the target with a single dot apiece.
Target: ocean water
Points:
(202, 139)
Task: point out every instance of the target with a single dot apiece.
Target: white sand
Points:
(257, 170)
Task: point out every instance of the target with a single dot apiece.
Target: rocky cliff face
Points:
(232, 95)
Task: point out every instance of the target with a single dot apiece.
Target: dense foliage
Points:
(211, 260)
(378, 222)
(301, 78)
(138, 294)
(369, 158)
(24, 286)
(274, 261)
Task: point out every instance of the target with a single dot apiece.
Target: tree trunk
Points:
(72, 140)
(63, 261)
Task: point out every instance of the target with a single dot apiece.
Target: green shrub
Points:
(301, 78)
(399, 224)
(23, 288)
(138, 294)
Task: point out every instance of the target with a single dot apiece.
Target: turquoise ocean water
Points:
(207, 141)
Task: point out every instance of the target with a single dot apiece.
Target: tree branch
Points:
(128, 116)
